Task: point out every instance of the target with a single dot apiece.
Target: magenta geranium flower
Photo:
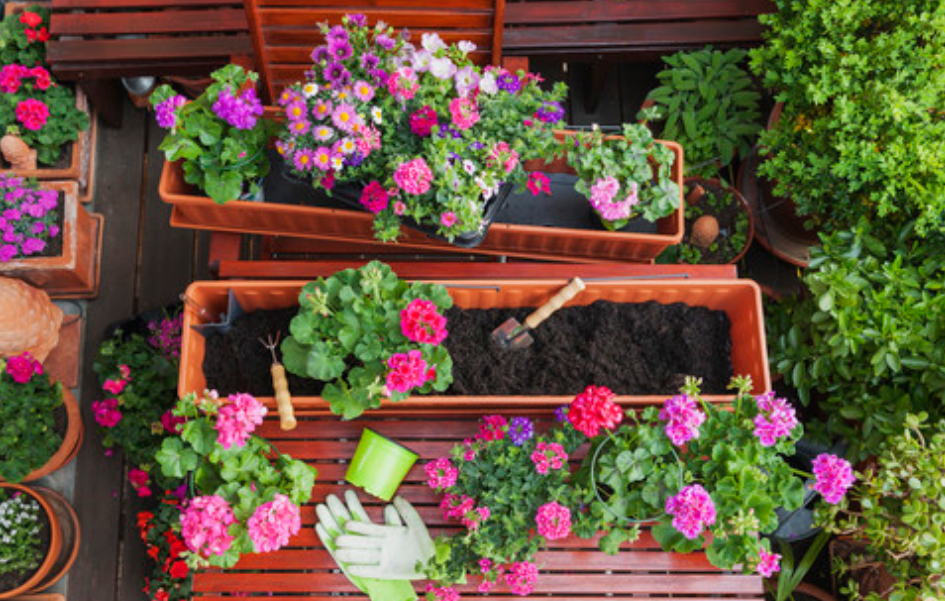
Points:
(548, 456)
(834, 476)
(106, 413)
(692, 510)
(421, 322)
(768, 563)
(683, 418)
(374, 197)
(594, 409)
(521, 577)
(205, 525)
(408, 371)
(32, 113)
(776, 419)
(23, 367)
(237, 419)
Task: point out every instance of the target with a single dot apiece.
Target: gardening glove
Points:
(332, 518)
(391, 551)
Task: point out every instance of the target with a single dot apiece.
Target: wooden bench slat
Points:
(303, 54)
(370, 6)
(585, 583)
(112, 5)
(176, 21)
(330, 597)
(417, 19)
(148, 48)
(627, 36)
(590, 11)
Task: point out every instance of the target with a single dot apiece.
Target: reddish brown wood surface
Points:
(176, 21)
(608, 11)
(285, 31)
(572, 569)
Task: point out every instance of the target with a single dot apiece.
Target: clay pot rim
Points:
(55, 543)
(714, 182)
(71, 440)
(77, 528)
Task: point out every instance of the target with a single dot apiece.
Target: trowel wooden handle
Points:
(564, 295)
(283, 400)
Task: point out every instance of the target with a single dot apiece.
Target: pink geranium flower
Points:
(548, 456)
(421, 322)
(413, 176)
(683, 418)
(22, 368)
(521, 577)
(776, 419)
(768, 563)
(32, 113)
(408, 371)
(834, 476)
(205, 525)
(692, 510)
(273, 523)
(237, 419)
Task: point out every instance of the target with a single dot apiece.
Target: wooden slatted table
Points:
(571, 570)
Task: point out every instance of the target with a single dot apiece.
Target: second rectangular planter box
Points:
(740, 299)
(192, 210)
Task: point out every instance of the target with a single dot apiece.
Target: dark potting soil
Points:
(632, 348)
(12, 580)
(237, 362)
(645, 348)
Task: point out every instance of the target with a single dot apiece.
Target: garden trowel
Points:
(514, 335)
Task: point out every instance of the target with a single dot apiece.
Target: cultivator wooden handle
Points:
(283, 399)
(564, 295)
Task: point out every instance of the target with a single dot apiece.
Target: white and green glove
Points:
(333, 516)
(395, 551)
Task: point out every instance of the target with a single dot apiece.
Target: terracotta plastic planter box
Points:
(193, 210)
(75, 272)
(740, 299)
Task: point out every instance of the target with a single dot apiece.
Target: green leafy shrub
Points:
(898, 509)
(863, 130)
(709, 104)
(27, 438)
(869, 338)
(360, 329)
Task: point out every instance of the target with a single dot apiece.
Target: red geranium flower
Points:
(178, 569)
(30, 19)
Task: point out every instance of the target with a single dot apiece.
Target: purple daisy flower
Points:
(323, 158)
(521, 430)
(384, 41)
(323, 133)
(319, 55)
(369, 61)
(322, 109)
(296, 111)
(379, 76)
(358, 20)
(334, 72)
(337, 33)
(299, 128)
(304, 160)
(340, 49)
(363, 91)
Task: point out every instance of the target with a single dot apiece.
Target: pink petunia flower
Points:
(538, 183)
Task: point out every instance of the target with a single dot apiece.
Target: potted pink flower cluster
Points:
(245, 495)
(427, 137)
(508, 487)
(28, 218)
(39, 111)
(697, 468)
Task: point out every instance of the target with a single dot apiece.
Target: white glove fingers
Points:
(391, 517)
(368, 529)
(356, 541)
(338, 510)
(354, 504)
(369, 571)
(409, 514)
(327, 521)
(362, 557)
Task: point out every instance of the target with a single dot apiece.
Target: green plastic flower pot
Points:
(379, 465)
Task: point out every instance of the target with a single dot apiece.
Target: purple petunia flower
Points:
(521, 430)
(561, 414)
(550, 112)
(384, 41)
(354, 159)
(509, 83)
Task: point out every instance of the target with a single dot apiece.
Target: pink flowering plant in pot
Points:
(23, 36)
(28, 217)
(717, 470)
(137, 368)
(220, 136)
(509, 488)
(245, 495)
(370, 336)
(429, 136)
(28, 437)
(623, 176)
(39, 110)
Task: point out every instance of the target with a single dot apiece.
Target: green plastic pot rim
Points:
(379, 464)
(604, 504)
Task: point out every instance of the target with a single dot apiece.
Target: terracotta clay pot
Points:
(29, 321)
(740, 299)
(716, 186)
(75, 272)
(193, 210)
(52, 553)
(71, 537)
(813, 592)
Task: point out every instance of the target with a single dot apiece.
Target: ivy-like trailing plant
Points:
(708, 103)
(863, 131)
(220, 136)
(624, 176)
(28, 437)
(23, 37)
(508, 486)
(245, 493)
(370, 336)
(869, 338)
(138, 374)
(898, 510)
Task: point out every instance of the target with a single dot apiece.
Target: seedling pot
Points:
(379, 465)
